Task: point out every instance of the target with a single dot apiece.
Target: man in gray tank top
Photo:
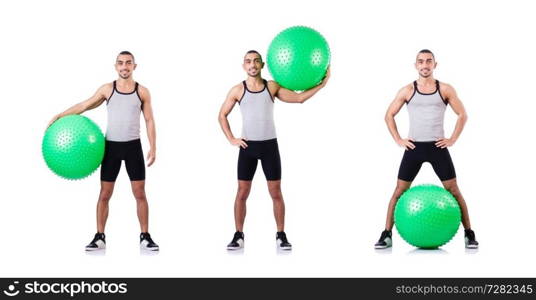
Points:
(258, 140)
(426, 100)
(125, 100)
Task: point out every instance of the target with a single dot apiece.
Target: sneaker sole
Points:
(150, 249)
(284, 248)
(95, 249)
(234, 248)
(381, 247)
(388, 244)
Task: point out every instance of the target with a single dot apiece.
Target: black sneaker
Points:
(470, 240)
(237, 242)
(147, 243)
(282, 242)
(98, 242)
(385, 240)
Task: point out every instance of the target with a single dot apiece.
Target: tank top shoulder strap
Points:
(112, 93)
(244, 92)
(414, 91)
(439, 93)
(268, 89)
(138, 93)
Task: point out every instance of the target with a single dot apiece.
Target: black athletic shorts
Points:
(439, 158)
(268, 152)
(131, 152)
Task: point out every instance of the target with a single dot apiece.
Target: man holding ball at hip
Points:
(258, 140)
(125, 101)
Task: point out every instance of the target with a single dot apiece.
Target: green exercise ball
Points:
(73, 147)
(427, 216)
(298, 58)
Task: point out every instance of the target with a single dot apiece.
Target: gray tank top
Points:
(123, 116)
(257, 110)
(426, 115)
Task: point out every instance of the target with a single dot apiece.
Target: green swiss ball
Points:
(73, 147)
(298, 58)
(427, 216)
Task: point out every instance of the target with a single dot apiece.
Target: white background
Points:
(339, 161)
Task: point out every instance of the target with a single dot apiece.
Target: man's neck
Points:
(125, 82)
(430, 80)
(254, 81)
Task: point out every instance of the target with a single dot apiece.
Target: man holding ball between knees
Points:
(258, 141)
(426, 99)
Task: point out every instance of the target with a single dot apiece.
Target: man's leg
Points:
(401, 187)
(138, 190)
(271, 166)
(135, 165)
(385, 240)
(451, 185)
(146, 241)
(244, 187)
(105, 195)
(110, 166)
(409, 168)
(444, 168)
(247, 164)
(109, 170)
(106, 191)
(274, 187)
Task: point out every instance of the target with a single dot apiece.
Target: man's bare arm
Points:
(91, 103)
(393, 109)
(289, 96)
(457, 106)
(232, 97)
(147, 109)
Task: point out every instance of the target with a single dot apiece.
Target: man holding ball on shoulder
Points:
(258, 141)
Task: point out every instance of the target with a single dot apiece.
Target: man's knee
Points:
(452, 187)
(243, 191)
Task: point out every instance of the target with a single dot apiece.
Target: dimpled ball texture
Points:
(298, 58)
(427, 216)
(73, 147)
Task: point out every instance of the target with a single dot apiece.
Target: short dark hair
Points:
(426, 51)
(125, 52)
(254, 51)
